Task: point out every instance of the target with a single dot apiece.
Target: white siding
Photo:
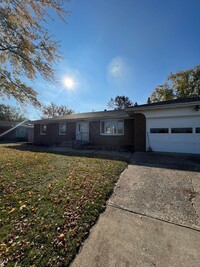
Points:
(173, 118)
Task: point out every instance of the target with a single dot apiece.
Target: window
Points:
(43, 129)
(159, 130)
(181, 130)
(112, 127)
(62, 128)
(198, 130)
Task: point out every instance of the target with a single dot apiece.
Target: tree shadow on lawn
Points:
(102, 154)
(176, 161)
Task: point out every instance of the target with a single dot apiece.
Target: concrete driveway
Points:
(152, 218)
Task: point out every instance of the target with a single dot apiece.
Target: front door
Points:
(82, 131)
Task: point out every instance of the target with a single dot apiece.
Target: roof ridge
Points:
(177, 100)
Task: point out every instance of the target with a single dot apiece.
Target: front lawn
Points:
(48, 202)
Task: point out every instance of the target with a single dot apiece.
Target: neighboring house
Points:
(10, 131)
(30, 134)
(105, 129)
(170, 126)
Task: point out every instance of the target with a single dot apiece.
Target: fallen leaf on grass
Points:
(11, 210)
(22, 207)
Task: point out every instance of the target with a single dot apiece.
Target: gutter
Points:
(162, 106)
(48, 121)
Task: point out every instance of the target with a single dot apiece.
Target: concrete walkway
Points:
(152, 218)
(122, 155)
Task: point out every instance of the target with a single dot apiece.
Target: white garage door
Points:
(174, 134)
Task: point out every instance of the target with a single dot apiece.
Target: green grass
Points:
(48, 203)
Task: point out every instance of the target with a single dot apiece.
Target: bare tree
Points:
(9, 113)
(120, 102)
(53, 110)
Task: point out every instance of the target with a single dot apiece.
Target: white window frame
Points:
(62, 123)
(111, 134)
(41, 132)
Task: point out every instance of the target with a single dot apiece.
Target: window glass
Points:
(102, 127)
(198, 130)
(120, 127)
(112, 127)
(181, 130)
(159, 130)
(62, 128)
(43, 129)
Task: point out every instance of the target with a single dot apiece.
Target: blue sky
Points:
(120, 47)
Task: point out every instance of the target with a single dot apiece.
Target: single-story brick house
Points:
(169, 126)
(105, 129)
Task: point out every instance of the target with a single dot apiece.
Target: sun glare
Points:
(69, 83)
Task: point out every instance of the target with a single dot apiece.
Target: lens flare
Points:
(69, 83)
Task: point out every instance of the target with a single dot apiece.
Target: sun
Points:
(69, 83)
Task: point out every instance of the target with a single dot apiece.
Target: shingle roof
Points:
(111, 114)
(88, 115)
(8, 123)
(174, 101)
(13, 123)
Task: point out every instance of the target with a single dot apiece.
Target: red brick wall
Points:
(134, 134)
(119, 140)
(140, 132)
(52, 136)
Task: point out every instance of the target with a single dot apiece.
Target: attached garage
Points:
(172, 126)
(173, 135)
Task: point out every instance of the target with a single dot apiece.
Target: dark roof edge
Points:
(108, 114)
(162, 103)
